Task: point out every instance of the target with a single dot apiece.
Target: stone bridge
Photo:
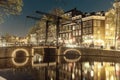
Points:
(23, 56)
(15, 56)
(89, 55)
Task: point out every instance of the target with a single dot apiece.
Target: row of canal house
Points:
(87, 28)
(84, 28)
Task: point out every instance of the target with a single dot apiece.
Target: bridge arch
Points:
(20, 57)
(74, 52)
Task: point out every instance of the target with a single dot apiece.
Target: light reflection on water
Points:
(67, 71)
(92, 64)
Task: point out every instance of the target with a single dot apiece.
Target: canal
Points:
(66, 71)
(69, 64)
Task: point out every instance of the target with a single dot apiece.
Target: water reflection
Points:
(81, 70)
(89, 71)
(63, 71)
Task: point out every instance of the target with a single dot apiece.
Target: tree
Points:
(7, 37)
(53, 19)
(40, 26)
(10, 7)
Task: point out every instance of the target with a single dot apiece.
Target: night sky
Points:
(19, 25)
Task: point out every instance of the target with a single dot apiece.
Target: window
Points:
(73, 27)
(63, 28)
(63, 35)
(84, 24)
(87, 30)
(77, 26)
(84, 32)
(70, 35)
(67, 35)
(87, 23)
(90, 30)
(97, 23)
(74, 32)
(70, 27)
(107, 26)
(79, 32)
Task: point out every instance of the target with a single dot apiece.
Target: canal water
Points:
(66, 71)
(74, 66)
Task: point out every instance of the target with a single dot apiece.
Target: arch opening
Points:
(20, 57)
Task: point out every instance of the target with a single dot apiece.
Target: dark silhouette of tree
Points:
(40, 26)
(10, 7)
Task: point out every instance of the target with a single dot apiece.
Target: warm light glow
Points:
(92, 73)
(76, 70)
(85, 71)
(112, 78)
(51, 79)
(98, 73)
(73, 76)
(99, 66)
(70, 65)
(87, 65)
(111, 29)
(70, 45)
(117, 67)
(79, 72)
(73, 27)
(70, 41)
(98, 32)
(66, 68)
(106, 33)
(107, 26)
(40, 59)
(110, 72)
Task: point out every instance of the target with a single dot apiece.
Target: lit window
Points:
(107, 26)
(97, 23)
(76, 33)
(73, 27)
(79, 32)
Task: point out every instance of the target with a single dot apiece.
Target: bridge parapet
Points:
(22, 56)
(90, 54)
(15, 56)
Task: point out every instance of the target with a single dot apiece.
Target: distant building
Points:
(112, 22)
(93, 28)
(110, 28)
(70, 30)
(83, 27)
(116, 6)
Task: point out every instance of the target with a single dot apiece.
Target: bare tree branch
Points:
(10, 7)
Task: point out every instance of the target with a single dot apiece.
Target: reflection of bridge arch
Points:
(20, 57)
(74, 52)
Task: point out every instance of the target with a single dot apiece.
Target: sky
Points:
(19, 25)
